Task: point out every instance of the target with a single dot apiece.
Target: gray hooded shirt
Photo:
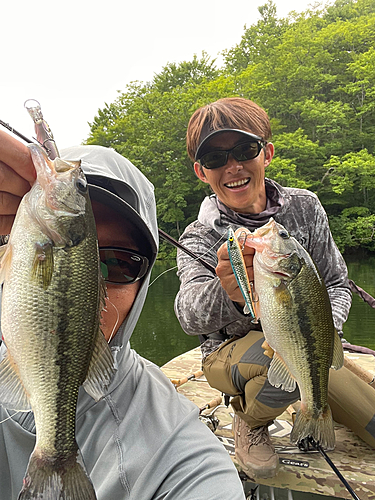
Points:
(142, 441)
(202, 305)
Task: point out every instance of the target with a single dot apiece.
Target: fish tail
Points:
(318, 425)
(47, 480)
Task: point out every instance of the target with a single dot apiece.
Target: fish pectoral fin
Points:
(43, 264)
(12, 391)
(268, 351)
(338, 352)
(101, 369)
(5, 261)
(279, 374)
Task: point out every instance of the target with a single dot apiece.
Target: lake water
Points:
(159, 337)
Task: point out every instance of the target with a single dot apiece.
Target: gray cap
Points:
(116, 182)
(207, 134)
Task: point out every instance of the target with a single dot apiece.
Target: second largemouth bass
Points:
(296, 318)
(52, 299)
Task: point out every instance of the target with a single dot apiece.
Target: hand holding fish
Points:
(17, 174)
(225, 272)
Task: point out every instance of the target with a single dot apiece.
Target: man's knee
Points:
(235, 362)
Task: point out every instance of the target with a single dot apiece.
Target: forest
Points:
(314, 74)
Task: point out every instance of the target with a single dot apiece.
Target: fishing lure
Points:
(239, 269)
(43, 132)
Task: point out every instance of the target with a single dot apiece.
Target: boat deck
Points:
(299, 471)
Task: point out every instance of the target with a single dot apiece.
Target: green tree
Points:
(314, 73)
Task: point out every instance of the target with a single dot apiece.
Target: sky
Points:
(74, 56)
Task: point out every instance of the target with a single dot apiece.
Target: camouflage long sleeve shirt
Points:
(203, 307)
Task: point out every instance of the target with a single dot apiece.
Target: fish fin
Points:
(5, 261)
(12, 392)
(101, 369)
(102, 295)
(43, 264)
(338, 352)
(279, 374)
(49, 479)
(318, 425)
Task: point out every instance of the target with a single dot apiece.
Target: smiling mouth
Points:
(239, 183)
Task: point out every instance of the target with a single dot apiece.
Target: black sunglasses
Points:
(121, 266)
(242, 152)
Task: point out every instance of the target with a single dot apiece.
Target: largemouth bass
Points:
(52, 299)
(296, 318)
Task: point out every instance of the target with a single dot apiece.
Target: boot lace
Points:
(258, 436)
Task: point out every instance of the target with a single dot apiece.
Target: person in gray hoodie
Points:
(143, 440)
(229, 143)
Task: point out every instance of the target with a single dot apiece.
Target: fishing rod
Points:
(318, 447)
(15, 132)
(175, 243)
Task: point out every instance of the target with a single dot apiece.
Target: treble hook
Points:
(244, 235)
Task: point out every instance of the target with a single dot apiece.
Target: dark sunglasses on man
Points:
(121, 266)
(242, 152)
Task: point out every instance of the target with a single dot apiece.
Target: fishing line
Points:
(196, 258)
(161, 274)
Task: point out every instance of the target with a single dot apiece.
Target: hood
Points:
(115, 181)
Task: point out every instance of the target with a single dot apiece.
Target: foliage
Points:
(313, 72)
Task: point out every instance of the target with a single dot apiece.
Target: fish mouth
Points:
(274, 255)
(282, 275)
(238, 183)
(271, 263)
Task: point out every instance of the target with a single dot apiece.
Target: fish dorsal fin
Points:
(5, 261)
(279, 374)
(43, 264)
(12, 392)
(338, 352)
(101, 369)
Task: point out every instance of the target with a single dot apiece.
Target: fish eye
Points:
(81, 186)
(284, 234)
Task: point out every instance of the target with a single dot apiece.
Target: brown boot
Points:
(254, 450)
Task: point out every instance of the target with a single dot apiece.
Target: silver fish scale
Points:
(51, 342)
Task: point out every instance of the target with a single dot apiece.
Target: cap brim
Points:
(215, 133)
(113, 201)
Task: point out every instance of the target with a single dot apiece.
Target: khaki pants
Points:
(239, 368)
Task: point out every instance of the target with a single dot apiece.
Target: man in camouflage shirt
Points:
(228, 140)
